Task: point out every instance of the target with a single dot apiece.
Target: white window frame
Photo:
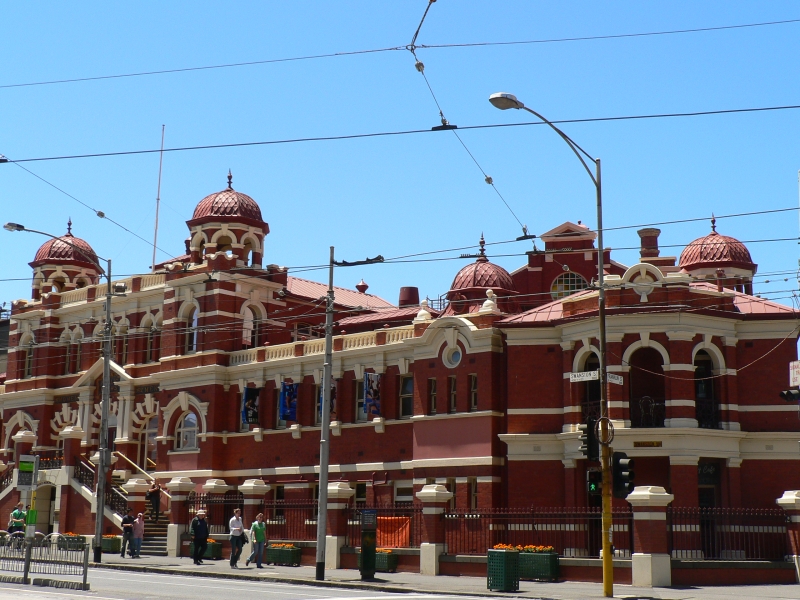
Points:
(181, 429)
(407, 397)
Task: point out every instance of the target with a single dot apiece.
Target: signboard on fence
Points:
(584, 376)
(27, 473)
(794, 373)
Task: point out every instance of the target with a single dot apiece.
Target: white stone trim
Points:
(768, 408)
(649, 516)
(689, 403)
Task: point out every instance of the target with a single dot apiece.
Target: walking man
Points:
(127, 533)
(237, 541)
(199, 531)
(17, 520)
(138, 535)
(154, 495)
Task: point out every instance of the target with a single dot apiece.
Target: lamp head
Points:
(504, 101)
(14, 227)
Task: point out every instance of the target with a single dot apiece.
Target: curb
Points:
(308, 582)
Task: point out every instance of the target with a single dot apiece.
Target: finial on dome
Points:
(69, 226)
(713, 223)
(230, 180)
(482, 252)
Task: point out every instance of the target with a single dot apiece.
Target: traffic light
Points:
(791, 395)
(594, 482)
(589, 446)
(622, 474)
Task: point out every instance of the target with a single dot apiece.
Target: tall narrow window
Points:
(473, 392)
(250, 328)
(406, 397)
(451, 384)
(279, 423)
(186, 432)
(472, 487)
(78, 348)
(68, 359)
(190, 344)
(148, 351)
(27, 367)
(361, 410)
(432, 395)
(317, 411)
(123, 351)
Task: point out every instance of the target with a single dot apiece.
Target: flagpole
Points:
(324, 440)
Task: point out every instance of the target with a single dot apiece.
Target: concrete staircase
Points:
(155, 537)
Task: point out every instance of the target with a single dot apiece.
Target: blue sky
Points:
(405, 194)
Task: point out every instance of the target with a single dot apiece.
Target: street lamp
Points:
(103, 452)
(504, 101)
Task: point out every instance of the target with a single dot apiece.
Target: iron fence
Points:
(399, 525)
(571, 531)
(647, 412)
(7, 477)
(44, 556)
(50, 459)
(727, 533)
(219, 509)
(290, 519)
(84, 473)
(117, 501)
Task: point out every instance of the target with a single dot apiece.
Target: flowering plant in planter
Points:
(386, 560)
(108, 536)
(284, 554)
(507, 547)
(383, 550)
(287, 546)
(530, 548)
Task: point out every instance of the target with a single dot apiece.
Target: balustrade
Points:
(394, 336)
(153, 280)
(359, 340)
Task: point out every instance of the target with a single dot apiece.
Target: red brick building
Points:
(475, 396)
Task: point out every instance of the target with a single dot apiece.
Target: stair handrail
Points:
(140, 470)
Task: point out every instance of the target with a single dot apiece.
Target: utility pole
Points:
(324, 440)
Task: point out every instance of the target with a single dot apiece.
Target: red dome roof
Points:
(228, 204)
(65, 249)
(715, 250)
(482, 274)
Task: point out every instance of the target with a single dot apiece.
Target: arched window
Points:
(147, 444)
(186, 432)
(190, 337)
(647, 408)
(566, 284)
(68, 358)
(705, 392)
(591, 400)
(250, 328)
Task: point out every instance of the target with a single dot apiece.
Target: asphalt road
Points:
(117, 585)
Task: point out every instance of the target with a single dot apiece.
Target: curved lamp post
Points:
(504, 101)
(103, 451)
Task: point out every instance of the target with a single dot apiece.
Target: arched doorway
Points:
(647, 389)
(45, 507)
(705, 392)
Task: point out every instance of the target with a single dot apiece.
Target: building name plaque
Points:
(647, 444)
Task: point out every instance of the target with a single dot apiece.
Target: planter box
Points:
(213, 551)
(385, 562)
(538, 565)
(111, 545)
(502, 570)
(72, 542)
(284, 556)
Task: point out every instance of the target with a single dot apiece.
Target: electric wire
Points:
(355, 136)
(400, 48)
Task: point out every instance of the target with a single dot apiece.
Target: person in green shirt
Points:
(17, 521)
(258, 537)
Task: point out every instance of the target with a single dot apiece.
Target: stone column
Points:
(683, 479)
(572, 406)
(179, 488)
(790, 502)
(434, 498)
(136, 490)
(24, 441)
(680, 403)
(651, 559)
(72, 436)
(617, 394)
(339, 495)
(253, 491)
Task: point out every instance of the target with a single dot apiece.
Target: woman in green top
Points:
(258, 537)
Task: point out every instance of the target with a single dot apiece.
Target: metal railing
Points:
(399, 525)
(727, 533)
(50, 459)
(707, 413)
(46, 556)
(219, 509)
(571, 531)
(117, 501)
(647, 412)
(7, 477)
(290, 520)
(84, 473)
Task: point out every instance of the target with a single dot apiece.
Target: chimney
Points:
(649, 237)
(409, 296)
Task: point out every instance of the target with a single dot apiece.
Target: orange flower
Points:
(384, 550)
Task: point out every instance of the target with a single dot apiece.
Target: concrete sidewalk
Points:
(416, 583)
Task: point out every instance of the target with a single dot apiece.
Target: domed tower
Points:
(63, 263)
(468, 290)
(228, 222)
(721, 259)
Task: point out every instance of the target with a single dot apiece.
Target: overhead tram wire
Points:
(333, 138)
(446, 125)
(400, 48)
(99, 213)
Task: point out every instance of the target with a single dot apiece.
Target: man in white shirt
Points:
(237, 542)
